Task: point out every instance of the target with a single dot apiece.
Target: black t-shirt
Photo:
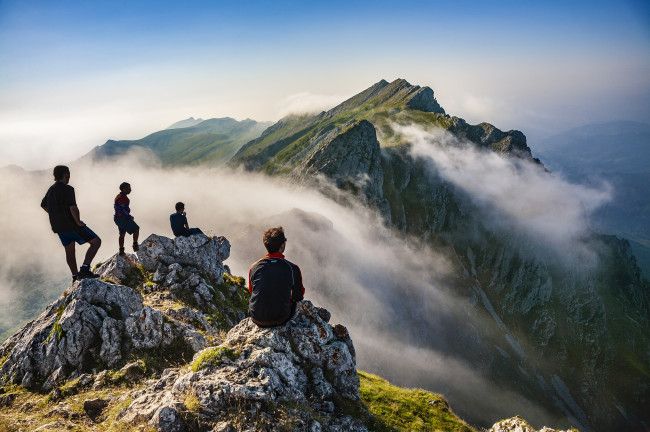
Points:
(275, 284)
(58, 200)
(178, 222)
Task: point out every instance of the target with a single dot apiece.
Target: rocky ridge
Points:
(92, 337)
(145, 346)
(283, 378)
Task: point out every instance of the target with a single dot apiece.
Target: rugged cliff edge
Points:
(145, 348)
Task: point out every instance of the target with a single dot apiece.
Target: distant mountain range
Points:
(189, 142)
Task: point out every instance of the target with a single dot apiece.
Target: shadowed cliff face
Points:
(570, 305)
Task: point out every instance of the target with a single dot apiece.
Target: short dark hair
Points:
(274, 239)
(60, 171)
(180, 206)
(124, 185)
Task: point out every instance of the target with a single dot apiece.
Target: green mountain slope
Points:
(567, 337)
(212, 142)
(285, 145)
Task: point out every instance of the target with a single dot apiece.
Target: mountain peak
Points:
(189, 122)
(397, 94)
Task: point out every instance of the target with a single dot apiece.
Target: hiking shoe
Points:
(85, 273)
(121, 251)
(135, 247)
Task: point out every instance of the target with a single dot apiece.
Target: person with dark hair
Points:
(123, 219)
(275, 283)
(60, 204)
(178, 221)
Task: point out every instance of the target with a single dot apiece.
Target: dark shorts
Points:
(189, 232)
(125, 225)
(80, 234)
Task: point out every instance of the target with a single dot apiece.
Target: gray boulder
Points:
(94, 322)
(517, 424)
(306, 362)
(68, 334)
(117, 268)
(200, 251)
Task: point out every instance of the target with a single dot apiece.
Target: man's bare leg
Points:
(71, 258)
(92, 250)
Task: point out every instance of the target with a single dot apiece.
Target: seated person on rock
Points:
(179, 224)
(275, 283)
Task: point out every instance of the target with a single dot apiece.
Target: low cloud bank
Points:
(307, 103)
(515, 193)
(382, 288)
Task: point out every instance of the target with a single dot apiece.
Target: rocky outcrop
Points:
(302, 369)
(97, 321)
(517, 424)
(200, 251)
(94, 324)
(351, 159)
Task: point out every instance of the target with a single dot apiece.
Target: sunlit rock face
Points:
(96, 322)
(305, 363)
(205, 253)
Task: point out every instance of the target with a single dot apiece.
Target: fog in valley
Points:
(406, 316)
(516, 195)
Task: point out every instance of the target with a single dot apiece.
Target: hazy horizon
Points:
(75, 74)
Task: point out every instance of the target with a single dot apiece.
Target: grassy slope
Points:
(211, 142)
(400, 409)
(384, 408)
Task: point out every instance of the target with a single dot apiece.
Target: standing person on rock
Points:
(123, 219)
(275, 284)
(178, 221)
(60, 204)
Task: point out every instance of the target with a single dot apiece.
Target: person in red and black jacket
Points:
(123, 219)
(275, 283)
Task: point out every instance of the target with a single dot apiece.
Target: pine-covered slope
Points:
(572, 336)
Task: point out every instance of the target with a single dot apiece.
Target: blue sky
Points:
(76, 73)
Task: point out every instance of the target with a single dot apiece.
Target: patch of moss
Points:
(155, 360)
(4, 359)
(136, 277)
(214, 357)
(407, 409)
(57, 327)
(191, 403)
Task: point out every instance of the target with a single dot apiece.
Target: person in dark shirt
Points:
(275, 284)
(123, 219)
(60, 204)
(178, 221)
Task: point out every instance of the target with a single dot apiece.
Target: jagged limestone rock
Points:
(117, 268)
(96, 322)
(303, 362)
(205, 253)
(67, 334)
(517, 424)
